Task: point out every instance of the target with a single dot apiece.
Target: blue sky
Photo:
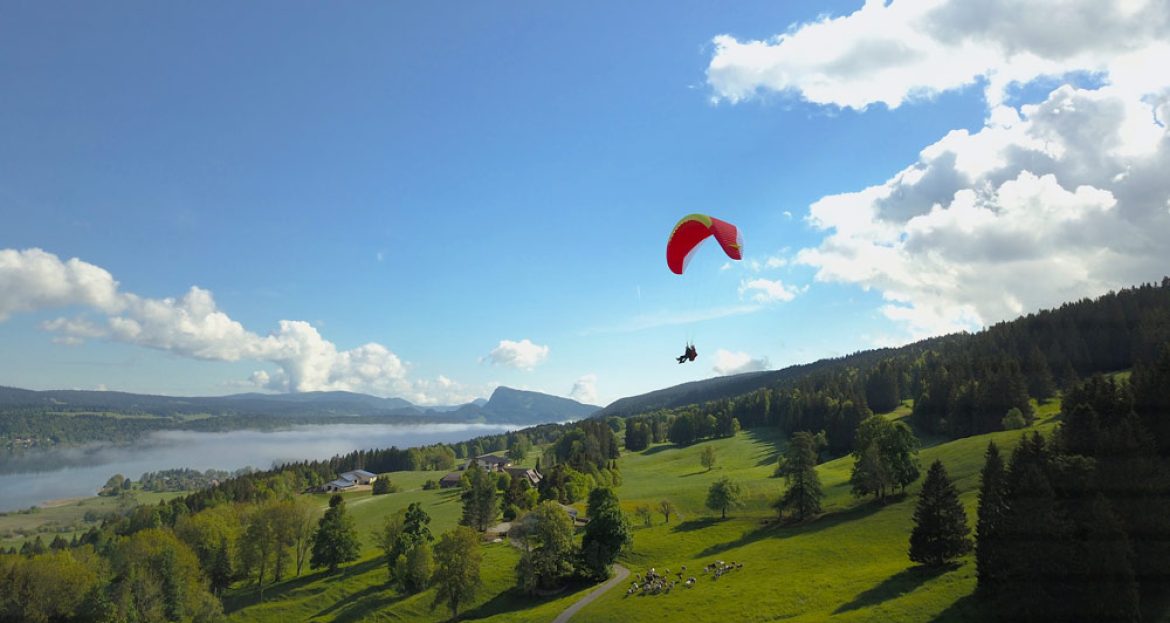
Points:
(484, 192)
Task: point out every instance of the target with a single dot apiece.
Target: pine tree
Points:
(940, 524)
(1041, 385)
(1106, 561)
(804, 494)
(221, 568)
(989, 528)
(480, 500)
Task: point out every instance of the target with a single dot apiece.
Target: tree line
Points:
(961, 384)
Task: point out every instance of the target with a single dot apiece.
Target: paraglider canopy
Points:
(691, 231)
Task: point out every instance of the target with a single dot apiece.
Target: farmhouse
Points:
(450, 480)
(341, 484)
(490, 462)
(349, 480)
(360, 476)
(532, 475)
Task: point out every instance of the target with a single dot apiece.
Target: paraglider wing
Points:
(691, 231)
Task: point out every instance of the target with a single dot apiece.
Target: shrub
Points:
(1014, 420)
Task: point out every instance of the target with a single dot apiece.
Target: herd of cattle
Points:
(655, 583)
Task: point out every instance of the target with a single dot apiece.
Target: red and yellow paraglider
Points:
(686, 237)
(691, 231)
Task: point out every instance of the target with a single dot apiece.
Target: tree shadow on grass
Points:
(773, 529)
(514, 600)
(661, 448)
(698, 473)
(243, 598)
(769, 456)
(696, 524)
(966, 608)
(359, 606)
(894, 586)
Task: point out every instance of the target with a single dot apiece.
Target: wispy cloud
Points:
(728, 362)
(767, 291)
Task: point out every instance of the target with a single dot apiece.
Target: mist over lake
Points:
(30, 477)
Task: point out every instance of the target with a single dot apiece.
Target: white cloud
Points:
(585, 389)
(776, 261)
(523, 355)
(1058, 203)
(1046, 203)
(75, 330)
(727, 362)
(193, 326)
(767, 290)
(34, 279)
(892, 52)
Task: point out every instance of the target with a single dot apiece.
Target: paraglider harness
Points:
(689, 355)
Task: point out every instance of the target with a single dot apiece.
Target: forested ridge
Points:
(960, 385)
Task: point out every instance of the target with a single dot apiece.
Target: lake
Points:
(34, 476)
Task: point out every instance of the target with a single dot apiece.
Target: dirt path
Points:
(621, 574)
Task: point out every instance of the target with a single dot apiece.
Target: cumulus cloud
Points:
(34, 279)
(585, 389)
(766, 291)
(891, 52)
(193, 326)
(523, 355)
(727, 362)
(1045, 203)
(1060, 202)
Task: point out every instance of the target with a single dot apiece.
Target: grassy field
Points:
(63, 517)
(359, 593)
(850, 564)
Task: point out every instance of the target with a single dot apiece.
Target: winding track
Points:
(622, 573)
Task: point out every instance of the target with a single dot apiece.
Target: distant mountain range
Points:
(506, 405)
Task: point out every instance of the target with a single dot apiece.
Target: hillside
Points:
(849, 565)
(1113, 332)
(723, 387)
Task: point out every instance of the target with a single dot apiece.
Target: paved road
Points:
(622, 573)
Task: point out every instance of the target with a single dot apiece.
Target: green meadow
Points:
(848, 564)
(66, 518)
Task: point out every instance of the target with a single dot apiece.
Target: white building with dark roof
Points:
(360, 476)
(490, 462)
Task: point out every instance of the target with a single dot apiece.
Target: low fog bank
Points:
(34, 476)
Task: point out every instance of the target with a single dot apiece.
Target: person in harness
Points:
(690, 354)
